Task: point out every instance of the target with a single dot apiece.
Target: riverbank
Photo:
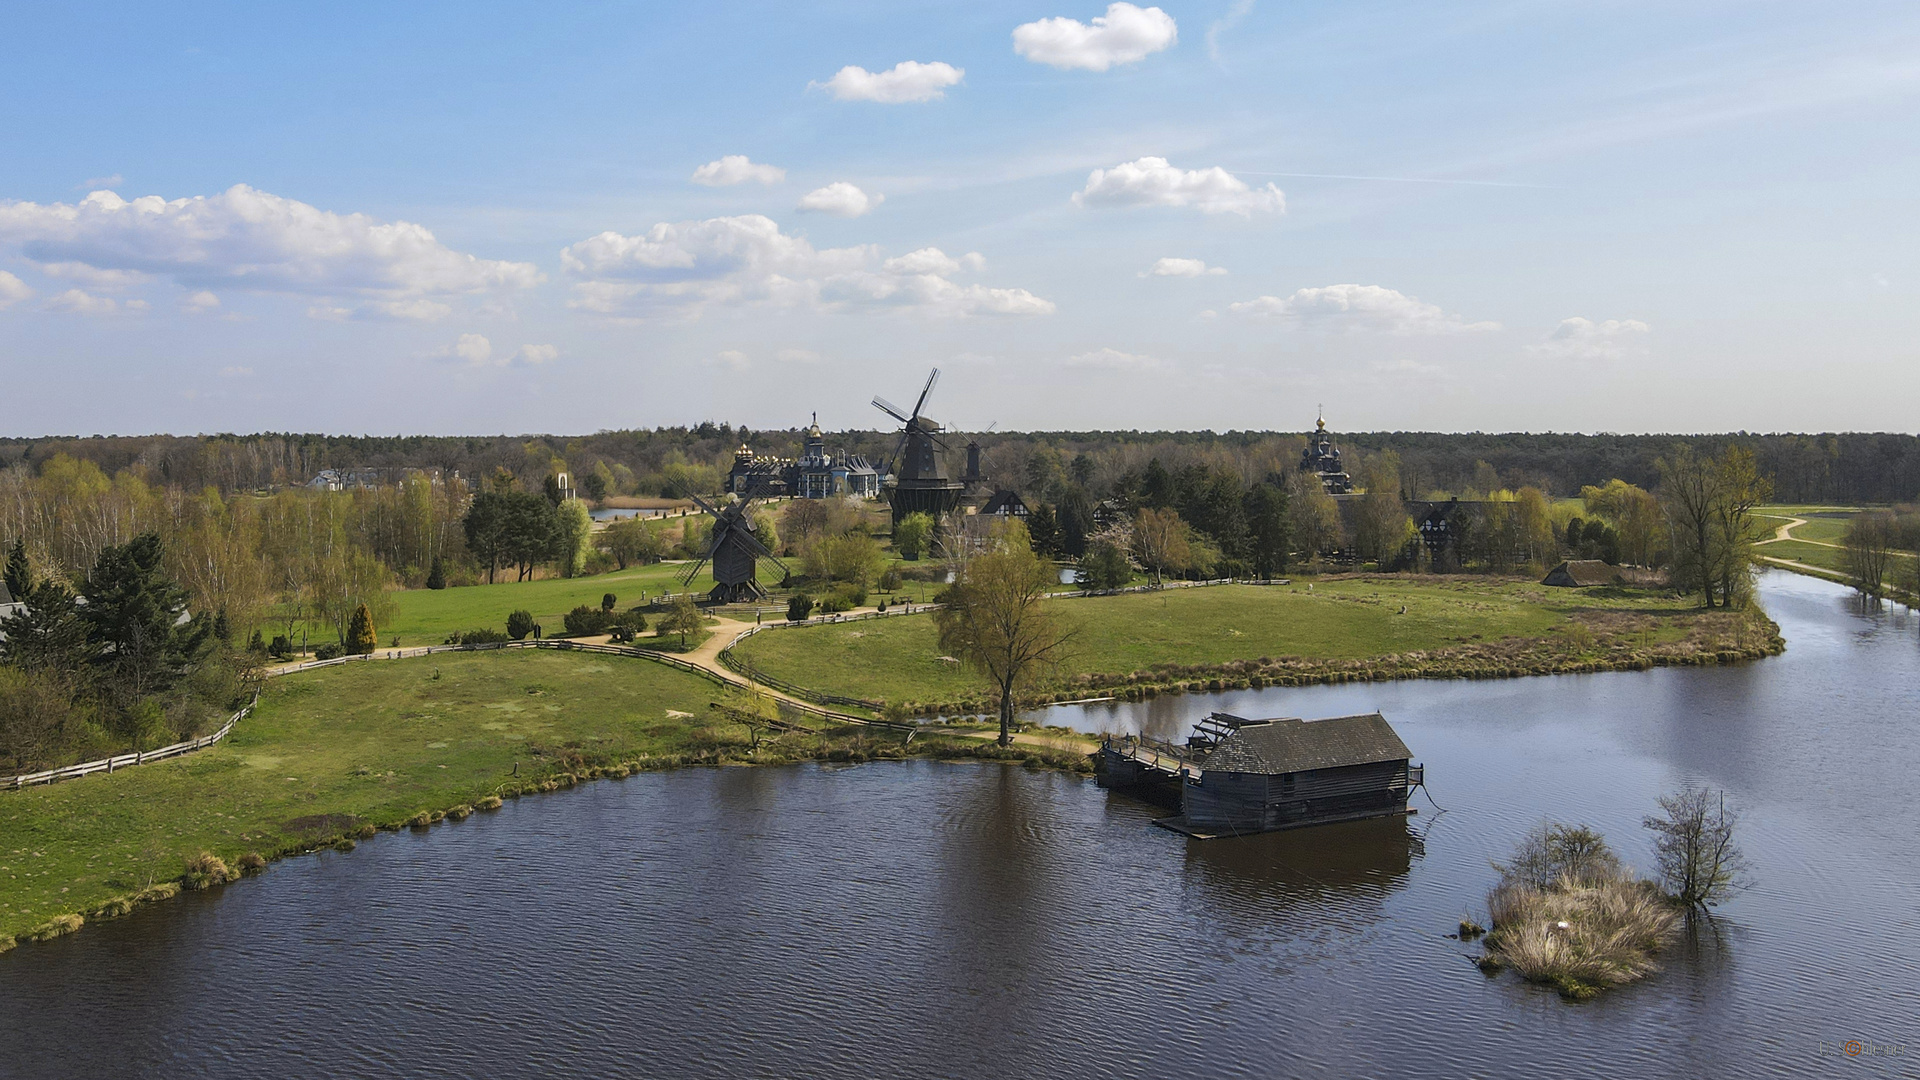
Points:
(336, 754)
(1357, 628)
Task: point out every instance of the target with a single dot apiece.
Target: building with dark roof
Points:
(1260, 775)
(1582, 573)
(816, 474)
(1322, 458)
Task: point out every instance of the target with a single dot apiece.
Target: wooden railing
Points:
(138, 757)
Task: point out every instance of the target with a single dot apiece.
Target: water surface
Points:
(966, 920)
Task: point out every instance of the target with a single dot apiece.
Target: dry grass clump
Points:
(1580, 935)
(420, 820)
(166, 890)
(113, 909)
(459, 813)
(365, 832)
(253, 862)
(206, 870)
(55, 927)
(6, 943)
(490, 802)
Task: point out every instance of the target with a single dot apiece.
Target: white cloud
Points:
(1184, 268)
(12, 290)
(736, 169)
(1238, 11)
(1151, 181)
(79, 302)
(475, 349)
(1123, 35)
(535, 355)
(729, 358)
(1115, 360)
(1359, 307)
(1584, 339)
(98, 182)
(93, 276)
(235, 372)
(248, 239)
(909, 80)
(840, 199)
(685, 267)
(201, 301)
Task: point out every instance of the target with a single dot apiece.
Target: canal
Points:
(928, 919)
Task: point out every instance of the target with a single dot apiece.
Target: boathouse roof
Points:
(1290, 745)
(1579, 573)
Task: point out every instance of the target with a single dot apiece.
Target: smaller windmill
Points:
(733, 549)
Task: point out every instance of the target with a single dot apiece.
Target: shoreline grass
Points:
(1580, 936)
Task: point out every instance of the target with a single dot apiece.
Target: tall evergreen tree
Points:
(1271, 529)
(19, 576)
(47, 635)
(133, 616)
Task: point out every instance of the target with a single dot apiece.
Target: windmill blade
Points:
(890, 409)
(893, 463)
(784, 569)
(695, 572)
(752, 541)
(922, 403)
(702, 503)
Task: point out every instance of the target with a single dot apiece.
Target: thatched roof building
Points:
(1582, 573)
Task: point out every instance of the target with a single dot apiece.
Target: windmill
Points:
(919, 480)
(732, 548)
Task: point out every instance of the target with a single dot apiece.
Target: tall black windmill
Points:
(732, 548)
(919, 480)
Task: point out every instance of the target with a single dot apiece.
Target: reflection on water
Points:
(931, 919)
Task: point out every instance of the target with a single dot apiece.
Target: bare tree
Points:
(997, 620)
(1698, 862)
(1869, 545)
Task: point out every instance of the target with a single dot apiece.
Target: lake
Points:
(926, 919)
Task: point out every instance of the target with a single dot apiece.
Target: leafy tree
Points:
(362, 638)
(437, 577)
(133, 614)
(911, 535)
(519, 624)
(1694, 851)
(572, 537)
(1160, 542)
(996, 619)
(35, 711)
(1553, 851)
(584, 621)
(1270, 529)
(682, 618)
(1105, 566)
(594, 485)
(799, 606)
(853, 557)
(1868, 545)
(485, 526)
(632, 541)
(528, 530)
(47, 635)
(19, 575)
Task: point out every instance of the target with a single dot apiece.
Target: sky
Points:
(479, 218)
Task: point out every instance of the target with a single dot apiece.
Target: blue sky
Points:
(1501, 216)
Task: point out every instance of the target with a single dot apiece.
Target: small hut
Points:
(1279, 774)
(1581, 574)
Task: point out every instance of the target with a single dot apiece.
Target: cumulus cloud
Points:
(475, 349)
(1123, 35)
(201, 301)
(12, 290)
(1184, 268)
(736, 169)
(248, 239)
(1151, 181)
(1114, 360)
(909, 80)
(1358, 308)
(81, 302)
(685, 267)
(729, 358)
(1584, 339)
(840, 199)
(93, 276)
(535, 355)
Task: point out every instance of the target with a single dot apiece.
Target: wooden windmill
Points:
(919, 480)
(733, 549)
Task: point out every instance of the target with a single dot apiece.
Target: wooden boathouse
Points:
(1236, 775)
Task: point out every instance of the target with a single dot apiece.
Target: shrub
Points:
(281, 647)
(329, 650)
(1580, 937)
(627, 625)
(608, 601)
(1553, 851)
(890, 580)
(799, 606)
(519, 625)
(437, 577)
(206, 870)
(484, 635)
(584, 621)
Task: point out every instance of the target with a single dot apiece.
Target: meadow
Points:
(1333, 619)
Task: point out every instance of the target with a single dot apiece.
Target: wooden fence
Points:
(138, 757)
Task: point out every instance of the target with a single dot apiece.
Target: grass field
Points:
(899, 659)
(327, 750)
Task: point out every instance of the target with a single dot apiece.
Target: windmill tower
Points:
(919, 480)
(733, 549)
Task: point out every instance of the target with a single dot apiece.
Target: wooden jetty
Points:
(1235, 776)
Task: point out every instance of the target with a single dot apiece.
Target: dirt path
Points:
(1785, 532)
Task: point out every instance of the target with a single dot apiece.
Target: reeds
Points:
(206, 870)
(253, 862)
(1579, 935)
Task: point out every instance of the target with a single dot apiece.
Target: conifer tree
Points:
(361, 636)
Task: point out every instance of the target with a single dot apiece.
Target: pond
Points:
(927, 919)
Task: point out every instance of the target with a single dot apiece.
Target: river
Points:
(926, 919)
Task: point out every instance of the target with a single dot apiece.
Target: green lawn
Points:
(373, 742)
(899, 659)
